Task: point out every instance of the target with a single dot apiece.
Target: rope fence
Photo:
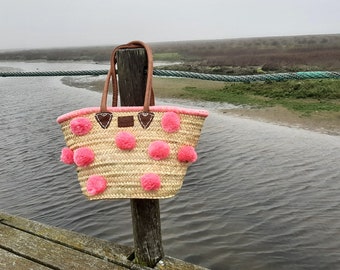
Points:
(52, 73)
(250, 78)
(193, 75)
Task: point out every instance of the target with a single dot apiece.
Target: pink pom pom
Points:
(83, 156)
(80, 126)
(95, 185)
(187, 154)
(67, 155)
(125, 140)
(158, 150)
(150, 181)
(171, 122)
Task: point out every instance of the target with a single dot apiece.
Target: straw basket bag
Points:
(131, 152)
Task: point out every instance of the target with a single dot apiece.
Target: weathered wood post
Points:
(148, 249)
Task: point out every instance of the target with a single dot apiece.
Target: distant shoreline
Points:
(224, 56)
(323, 122)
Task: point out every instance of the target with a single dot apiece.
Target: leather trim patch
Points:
(125, 121)
(145, 119)
(104, 119)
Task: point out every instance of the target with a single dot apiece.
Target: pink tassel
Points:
(171, 122)
(95, 185)
(67, 155)
(83, 156)
(187, 154)
(150, 181)
(125, 140)
(80, 126)
(159, 150)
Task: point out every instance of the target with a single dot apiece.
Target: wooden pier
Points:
(26, 244)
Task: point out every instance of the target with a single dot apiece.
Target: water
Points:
(261, 196)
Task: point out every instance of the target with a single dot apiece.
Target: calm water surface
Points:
(261, 196)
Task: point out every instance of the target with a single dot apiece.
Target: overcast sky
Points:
(66, 23)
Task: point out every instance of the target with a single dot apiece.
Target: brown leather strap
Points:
(149, 99)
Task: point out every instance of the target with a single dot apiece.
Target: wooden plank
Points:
(10, 261)
(97, 248)
(170, 263)
(49, 253)
(131, 65)
(90, 245)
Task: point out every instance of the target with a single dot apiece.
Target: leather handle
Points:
(149, 95)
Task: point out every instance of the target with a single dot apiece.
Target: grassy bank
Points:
(305, 97)
(308, 104)
(312, 104)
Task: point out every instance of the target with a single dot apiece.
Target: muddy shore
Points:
(324, 122)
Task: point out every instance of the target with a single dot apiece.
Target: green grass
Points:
(305, 96)
(171, 56)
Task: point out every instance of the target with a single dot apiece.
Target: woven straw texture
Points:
(123, 168)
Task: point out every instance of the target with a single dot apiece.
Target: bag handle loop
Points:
(149, 95)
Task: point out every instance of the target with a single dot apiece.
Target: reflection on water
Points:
(261, 196)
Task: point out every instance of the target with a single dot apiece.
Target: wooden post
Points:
(148, 249)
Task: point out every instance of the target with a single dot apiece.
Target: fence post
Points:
(148, 249)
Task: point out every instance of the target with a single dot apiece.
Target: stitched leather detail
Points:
(104, 119)
(145, 119)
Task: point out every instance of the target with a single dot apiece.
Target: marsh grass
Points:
(305, 96)
(176, 87)
(170, 56)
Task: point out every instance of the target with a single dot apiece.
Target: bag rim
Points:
(89, 110)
